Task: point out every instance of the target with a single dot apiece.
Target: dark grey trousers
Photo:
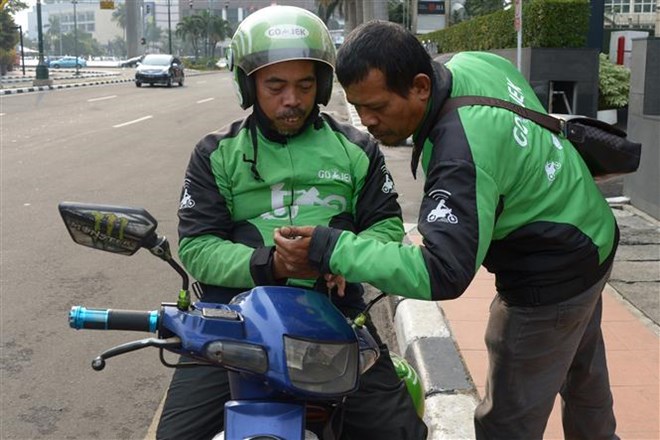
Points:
(534, 354)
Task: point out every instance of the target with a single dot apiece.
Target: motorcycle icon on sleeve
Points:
(442, 213)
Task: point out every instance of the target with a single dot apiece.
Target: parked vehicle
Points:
(159, 69)
(67, 62)
(291, 354)
(131, 62)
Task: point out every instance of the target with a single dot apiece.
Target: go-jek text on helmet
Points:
(275, 34)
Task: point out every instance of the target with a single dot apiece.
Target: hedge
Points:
(546, 23)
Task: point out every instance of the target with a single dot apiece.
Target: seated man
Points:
(285, 164)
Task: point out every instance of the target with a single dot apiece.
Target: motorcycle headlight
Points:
(322, 367)
(236, 354)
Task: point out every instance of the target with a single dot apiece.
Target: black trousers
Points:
(381, 409)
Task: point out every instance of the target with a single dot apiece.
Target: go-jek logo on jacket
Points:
(286, 32)
(441, 213)
(186, 199)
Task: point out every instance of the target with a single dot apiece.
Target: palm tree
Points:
(219, 30)
(190, 29)
(119, 16)
(54, 31)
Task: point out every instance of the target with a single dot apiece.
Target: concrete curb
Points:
(426, 342)
(83, 84)
(60, 86)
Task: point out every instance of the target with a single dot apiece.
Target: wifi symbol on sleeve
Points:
(438, 194)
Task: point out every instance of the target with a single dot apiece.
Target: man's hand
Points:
(291, 247)
(282, 270)
(338, 281)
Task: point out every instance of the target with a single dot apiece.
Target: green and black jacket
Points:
(247, 180)
(500, 191)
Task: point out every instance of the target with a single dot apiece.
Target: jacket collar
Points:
(440, 91)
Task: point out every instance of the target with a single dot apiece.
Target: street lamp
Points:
(75, 35)
(169, 26)
(19, 28)
(41, 77)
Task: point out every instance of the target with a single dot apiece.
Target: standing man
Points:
(500, 191)
(285, 164)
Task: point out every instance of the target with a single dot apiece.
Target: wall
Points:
(643, 187)
(540, 66)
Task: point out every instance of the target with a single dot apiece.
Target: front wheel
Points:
(56, 66)
(138, 84)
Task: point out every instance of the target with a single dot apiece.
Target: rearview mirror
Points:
(117, 229)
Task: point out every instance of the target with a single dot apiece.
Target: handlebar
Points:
(110, 319)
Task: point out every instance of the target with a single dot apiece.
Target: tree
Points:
(53, 34)
(9, 36)
(395, 12)
(190, 29)
(477, 8)
(328, 7)
(119, 16)
(117, 47)
(219, 30)
(152, 33)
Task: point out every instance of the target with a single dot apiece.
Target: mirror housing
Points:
(117, 229)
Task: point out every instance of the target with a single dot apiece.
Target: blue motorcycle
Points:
(291, 354)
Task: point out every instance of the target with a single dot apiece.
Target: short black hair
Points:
(385, 46)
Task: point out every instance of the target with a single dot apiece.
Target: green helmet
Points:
(275, 34)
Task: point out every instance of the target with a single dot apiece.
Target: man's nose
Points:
(291, 98)
(367, 118)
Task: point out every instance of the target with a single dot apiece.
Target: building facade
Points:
(89, 18)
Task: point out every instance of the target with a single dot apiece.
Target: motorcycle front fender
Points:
(276, 420)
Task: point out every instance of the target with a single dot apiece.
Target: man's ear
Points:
(421, 86)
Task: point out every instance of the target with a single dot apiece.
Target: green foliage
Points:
(546, 23)
(8, 34)
(201, 63)
(477, 8)
(8, 39)
(613, 84)
(395, 12)
(203, 29)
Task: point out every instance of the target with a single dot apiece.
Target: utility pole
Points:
(169, 26)
(132, 12)
(19, 28)
(75, 35)
(41, 77)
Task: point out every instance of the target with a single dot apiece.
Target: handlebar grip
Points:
(109, 319)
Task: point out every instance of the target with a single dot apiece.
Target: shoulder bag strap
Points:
(553, 124)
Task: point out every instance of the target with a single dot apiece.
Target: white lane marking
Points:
(201, 101)
(135, 121)
(103, 98)
(2, 114)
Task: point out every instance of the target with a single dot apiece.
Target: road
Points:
(113, 144)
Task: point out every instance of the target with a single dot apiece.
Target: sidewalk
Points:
(632, 342)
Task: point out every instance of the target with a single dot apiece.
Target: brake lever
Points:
(98, 363)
